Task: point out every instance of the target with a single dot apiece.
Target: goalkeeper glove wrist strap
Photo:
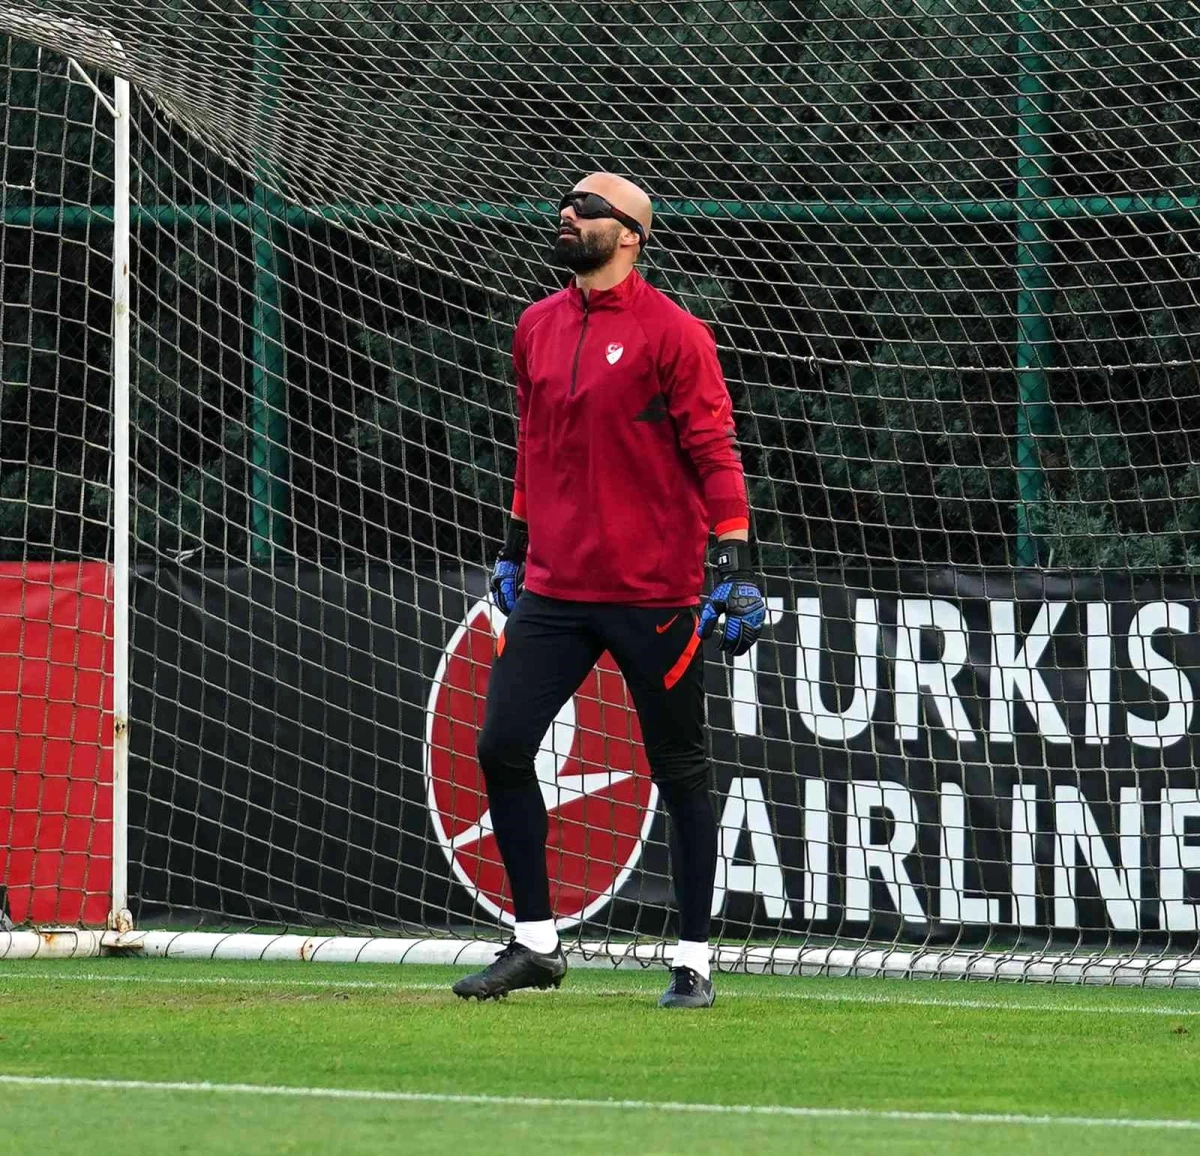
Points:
(516, 544)
(735, 559)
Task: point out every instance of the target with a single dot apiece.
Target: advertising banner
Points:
(56, 741)
(921, 754)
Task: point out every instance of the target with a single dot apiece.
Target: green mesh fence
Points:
(939, 246)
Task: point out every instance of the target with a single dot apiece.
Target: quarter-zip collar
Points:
(620, 296)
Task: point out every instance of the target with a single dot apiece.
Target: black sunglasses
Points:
(593, 207)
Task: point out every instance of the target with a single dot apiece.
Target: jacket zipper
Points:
(579, 348)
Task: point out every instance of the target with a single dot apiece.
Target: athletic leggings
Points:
(547, 648)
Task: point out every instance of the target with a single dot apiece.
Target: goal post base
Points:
(864, 962)
(52, 943)
(121, 920)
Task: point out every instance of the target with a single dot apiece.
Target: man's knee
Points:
(678, 776)
(505, 764)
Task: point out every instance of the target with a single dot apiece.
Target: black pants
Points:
(547, 649)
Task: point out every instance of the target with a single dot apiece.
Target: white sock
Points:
(537, 934)
(688, 953)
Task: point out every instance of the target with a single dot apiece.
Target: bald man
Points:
(626, 463)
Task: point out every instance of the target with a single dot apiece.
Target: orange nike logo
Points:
(717, 410)
(666, 625)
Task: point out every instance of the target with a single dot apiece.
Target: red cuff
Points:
(518, 505)
(729, 525)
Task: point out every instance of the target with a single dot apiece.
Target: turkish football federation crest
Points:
(591, 769)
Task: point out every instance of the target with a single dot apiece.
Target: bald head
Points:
(622, 194)
(603, 244)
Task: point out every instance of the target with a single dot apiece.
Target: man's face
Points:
(585, 246)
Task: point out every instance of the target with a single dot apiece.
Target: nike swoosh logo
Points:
(666, 626)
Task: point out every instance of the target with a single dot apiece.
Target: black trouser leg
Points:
(663, 667)
(693, 855)
(547, 651)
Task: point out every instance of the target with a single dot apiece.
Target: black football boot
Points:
(688, 988)
(514, 967)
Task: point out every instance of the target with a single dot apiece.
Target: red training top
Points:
(625, 447)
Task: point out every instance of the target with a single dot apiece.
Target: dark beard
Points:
(586, 254)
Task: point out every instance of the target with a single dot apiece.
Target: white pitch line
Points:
(633, 990)
(786, 1110)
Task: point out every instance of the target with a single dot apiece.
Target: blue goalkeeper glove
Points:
(738, 597)
(508, 575)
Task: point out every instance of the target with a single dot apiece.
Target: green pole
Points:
(1035, 296)
(1183, 208)
(268, 474)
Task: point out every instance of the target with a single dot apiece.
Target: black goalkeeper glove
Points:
(508, 575)
(738, 596)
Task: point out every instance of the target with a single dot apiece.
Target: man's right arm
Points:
(507, 573)
(521, 374)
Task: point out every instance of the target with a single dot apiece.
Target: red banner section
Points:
(56, 665)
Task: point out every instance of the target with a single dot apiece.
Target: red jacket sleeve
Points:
(702, 410)
(522, 378)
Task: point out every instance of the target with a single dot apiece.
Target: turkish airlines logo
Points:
(613, 352)
(591, 769)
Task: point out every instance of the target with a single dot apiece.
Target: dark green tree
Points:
(871, 360)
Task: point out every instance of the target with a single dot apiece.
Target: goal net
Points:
(949, 252)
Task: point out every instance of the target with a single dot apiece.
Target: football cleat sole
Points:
(483, 997)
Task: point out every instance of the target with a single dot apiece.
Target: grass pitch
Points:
(152, 1055)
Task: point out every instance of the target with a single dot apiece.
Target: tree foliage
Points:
(874, 364)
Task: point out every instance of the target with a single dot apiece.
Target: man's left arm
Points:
(702, 410)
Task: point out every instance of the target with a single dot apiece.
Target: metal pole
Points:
(1182, 208)
(119, 918)
(268, 387)
(1035, 297)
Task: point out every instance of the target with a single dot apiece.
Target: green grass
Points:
(872, 1045)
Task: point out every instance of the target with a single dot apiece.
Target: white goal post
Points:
(254, 373)
(891, 963)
